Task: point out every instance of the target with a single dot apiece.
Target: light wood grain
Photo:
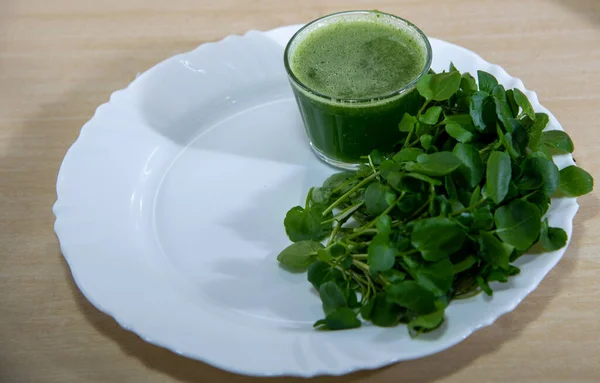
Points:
(60, 59)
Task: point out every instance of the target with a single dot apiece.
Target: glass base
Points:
(335, 163)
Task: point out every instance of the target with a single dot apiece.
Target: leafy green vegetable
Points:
(575, 181)
(435, 276)
(557, 140)
(441, 216)
(307, 223)
(384, 313)
(524, 103)
(498, 174)
(483, 111)
(494, 251)
(425, 323)
(535, 131)
(437, 237)
(299, 255)
(378, 197)
(436, 164)
(472, 168)
(552, 238)
(411, 295)
(408, 155)
(503, 110)
(407, 124)
(332, 297)
(340, 319)
(487, 82)
(382, 253)
(439, 87)
(518, 223)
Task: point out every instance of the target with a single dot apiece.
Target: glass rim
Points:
(394, 93)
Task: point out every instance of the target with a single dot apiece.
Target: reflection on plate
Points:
(170, 209)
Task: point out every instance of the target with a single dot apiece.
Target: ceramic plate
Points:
(170, 215)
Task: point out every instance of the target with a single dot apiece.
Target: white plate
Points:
(170, 214)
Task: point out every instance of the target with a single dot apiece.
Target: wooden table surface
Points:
(60, 59)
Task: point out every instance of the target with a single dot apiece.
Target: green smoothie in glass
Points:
(353, 75)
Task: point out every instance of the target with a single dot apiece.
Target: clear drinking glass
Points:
(343, 131)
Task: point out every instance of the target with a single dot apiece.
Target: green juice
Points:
(353, 80)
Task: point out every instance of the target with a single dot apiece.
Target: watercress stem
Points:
(349, 193)
(334, 232)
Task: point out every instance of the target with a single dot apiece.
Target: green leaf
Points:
(320, 272)
(450, 187)
(483, 218)
(367, 309)
(425, 323)
(340, 319)
(322, 195)
(498, 275)
(382, 253)
(539, 199)
(324, 255)
(389, 166)
(484, 285)
(472, 168)
(301, 224)
(468, 84)
(376, 157)
(436, 276)
(332, 297)
(510, 96)
(503, 108)
(539, 172)
(518, 224)
(439, 87)
(411, 295)
(498, 176)
(423, 177)
(437, 238)
(463, 119)
(464, 265)
(475, 196)
(494, 251)
(407, 154)
(482, 108)
(384, 223)
(384, 312)
(393, 275)
(346, 262)
(535, 130)
(524, 103)
(299, 255)
(425, 141)
(487, 82)
(520, 138)
(403, 183)
(575, 182)
(338, 180)
(407, 124)
(558, 141)
(552, 238)
(431, 116)
(435, 164)
(377, 197)
(459, 133)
